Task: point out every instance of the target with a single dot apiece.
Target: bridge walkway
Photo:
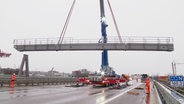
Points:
(70, 44)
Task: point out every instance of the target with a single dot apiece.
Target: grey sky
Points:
(21, 19)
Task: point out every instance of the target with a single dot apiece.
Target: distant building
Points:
(64, 75)
(53, 73)
(76, 73)
(37, 74)
(80, 73)
(8, 71)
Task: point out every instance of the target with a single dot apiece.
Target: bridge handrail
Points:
(169, 95)
(132, 39)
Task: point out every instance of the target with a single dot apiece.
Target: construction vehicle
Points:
(104, 80)
(4, 54)
(79, 82)
(106, 76)
(83, 80)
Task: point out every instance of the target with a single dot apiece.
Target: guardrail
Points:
(23, 81)
(67, 40)
(168, 95)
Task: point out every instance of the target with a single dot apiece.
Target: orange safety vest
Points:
(13, 77)
(147, 85)
(147, 81)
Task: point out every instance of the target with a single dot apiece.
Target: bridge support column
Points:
(26, 63)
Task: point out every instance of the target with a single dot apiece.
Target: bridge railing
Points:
(168, 95)
(133, 39)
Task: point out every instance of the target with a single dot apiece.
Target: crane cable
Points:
(66, 24)
(114, 20)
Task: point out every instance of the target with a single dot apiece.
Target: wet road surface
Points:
(59, 94)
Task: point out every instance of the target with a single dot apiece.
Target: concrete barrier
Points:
(168, 95)
(31, 81)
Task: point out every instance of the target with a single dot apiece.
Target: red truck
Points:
(102, 80)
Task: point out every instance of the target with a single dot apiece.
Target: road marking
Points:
(123, 92)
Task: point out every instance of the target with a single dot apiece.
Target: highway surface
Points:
(59, 94)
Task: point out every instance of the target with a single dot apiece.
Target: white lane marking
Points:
(123, 92)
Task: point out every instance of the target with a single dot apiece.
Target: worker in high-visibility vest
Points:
(148, 85)
(13, 79)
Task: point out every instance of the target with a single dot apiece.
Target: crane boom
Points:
(102, 10)
(105, 64)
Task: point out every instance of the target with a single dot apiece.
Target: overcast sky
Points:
(21, 19)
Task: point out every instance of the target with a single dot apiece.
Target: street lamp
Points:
(174, 66)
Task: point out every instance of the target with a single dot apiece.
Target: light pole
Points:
(174, 66)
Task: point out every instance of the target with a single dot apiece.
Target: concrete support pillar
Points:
(26, 63)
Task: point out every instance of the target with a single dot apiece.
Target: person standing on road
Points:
(13, 79)
(147, 85)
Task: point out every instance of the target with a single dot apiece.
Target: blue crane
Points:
(104, 35)
(105, 64)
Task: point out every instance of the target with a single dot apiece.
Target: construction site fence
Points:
(168, 95)
(31, 81)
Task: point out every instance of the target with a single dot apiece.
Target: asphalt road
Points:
(59, 94)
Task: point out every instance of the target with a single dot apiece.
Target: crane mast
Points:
(105, 64)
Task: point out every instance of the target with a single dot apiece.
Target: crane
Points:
(105, 69)
(105, 64)
(106, 76)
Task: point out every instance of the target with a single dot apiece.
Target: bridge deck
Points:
(129, 44)
(96, 46)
